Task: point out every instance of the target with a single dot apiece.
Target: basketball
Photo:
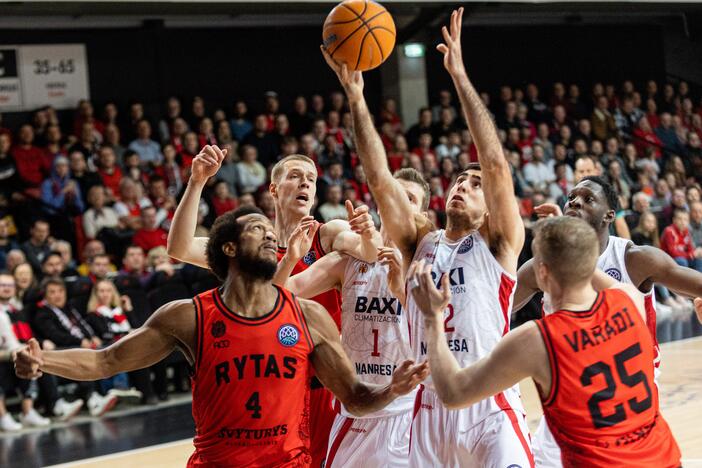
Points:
(360, 33)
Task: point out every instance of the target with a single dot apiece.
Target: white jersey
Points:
(477, 316)
(374, 330)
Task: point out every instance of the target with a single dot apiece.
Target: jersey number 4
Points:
(253, 405)
(630, 380)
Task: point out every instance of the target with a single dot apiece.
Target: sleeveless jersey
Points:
(251, 385)
(331, 300)
(603, 404)
(374, 330)
(477, 316)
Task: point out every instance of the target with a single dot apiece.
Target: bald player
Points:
(595, 201)
(293, 187)
(478, 252)
(374, 334)
(252, 347)
(591, 359)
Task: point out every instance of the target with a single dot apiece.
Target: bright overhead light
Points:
(414, 50)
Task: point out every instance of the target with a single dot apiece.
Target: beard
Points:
(256, 268)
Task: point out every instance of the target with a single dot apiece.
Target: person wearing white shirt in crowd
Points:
(536, 172)
(98, 216)
(149, 151)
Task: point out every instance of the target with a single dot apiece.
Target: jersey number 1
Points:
(607, 393)
(254, 406)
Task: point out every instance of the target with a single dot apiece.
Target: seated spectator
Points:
(561, 186)
(334, 207)
(668, 137)
(37, 246)
(619, 183)
(641, 206)
(423, 126)
(251, 174)
(222, 199)
(206, 135)
(537, 173)
(696, 228)
(332, 152)
(585, 166)
(150, 234)
(134, 169)
(85, 178)
(399, 154)
(178, 131)
(60, 194)
(452, 147)
(109, 172)
(224, 133)
(131, 203)
(88, 141)
(7, 242)
(14, 257)
(33, 164)
(676, 241)
(170, 171)
(646, 232)
(149, 151)
(92, 249)
(14, 333)
(163, 201)
(603, 124)
(98, 216)
(267, 204)
(360, 185)
(66, 328)
(113, 140)
(66, 251)
(262, 141)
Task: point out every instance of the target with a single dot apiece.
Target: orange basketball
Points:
(360, 33)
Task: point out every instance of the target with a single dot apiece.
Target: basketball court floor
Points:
(163, 437)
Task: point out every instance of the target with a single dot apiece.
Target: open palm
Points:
(451, 47)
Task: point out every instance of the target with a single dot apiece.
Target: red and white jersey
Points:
(374, 330)
(613, 262)
(477, 316)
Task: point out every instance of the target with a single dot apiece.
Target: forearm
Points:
(443, 365)
(76, 364)
(366, 398)
(285, 268)
(181, 241)
(479, 121)
(369, 146)
(361, 247)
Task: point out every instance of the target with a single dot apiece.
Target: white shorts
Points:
(369, 442)
(547, 453)
(437, 439)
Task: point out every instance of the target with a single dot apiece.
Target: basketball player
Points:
(595, 201)
(591, 360)
(478, 253)
(252, 346)
(374, 334)
(293, 187)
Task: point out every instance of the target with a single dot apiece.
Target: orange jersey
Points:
(331, 300)
(251, 385)
(603, 406)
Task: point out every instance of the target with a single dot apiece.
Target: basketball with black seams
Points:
(360, 33)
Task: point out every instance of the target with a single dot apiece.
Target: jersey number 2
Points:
(254, 406)
(607, 393)
(448, 329)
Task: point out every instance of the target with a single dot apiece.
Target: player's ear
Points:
(609, 217)
(273, 189)
(229, 249)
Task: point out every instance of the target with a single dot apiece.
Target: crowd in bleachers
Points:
(86, 201)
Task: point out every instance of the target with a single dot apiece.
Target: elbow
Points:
(356, 409)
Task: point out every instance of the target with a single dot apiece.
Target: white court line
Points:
(123, 453)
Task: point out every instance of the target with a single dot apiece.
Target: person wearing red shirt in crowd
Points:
(169, 170)
(437, 202)
(164, 202)
(131, 203)
(389, 114)
(206, 135)
(53, 138)
(676, 241)
(177, 133)
(272, 109)
(32, 162)
(190, 149)
(86, 115)
(109, 171)
(425, 146)
(359, 183)
(222, 199)
(399, 154)
(151, 234)
(645, 137)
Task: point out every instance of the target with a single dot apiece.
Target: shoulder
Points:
(640, 255)
(320, 323)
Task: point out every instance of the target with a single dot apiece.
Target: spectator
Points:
(388, 113)
(543, 139)
(332, 152)
(131, 203)
(165, 126)
(300, 119)
(452, 147)
(7, 242)
(676, 241)
(66, 251)
(696, 228)
(113, 140)
(251, 174)
(25, 281)
(333, 208)
(54, 146)
(98, 216)
(60, 194)
(134, 264)
(88, 142)
(646, 232)
(178, 132)
(37, 246)
(189, 150)
(423, 126)
(169, 170)
(239, 123)
(64, 326)
(445, 99)
(537, 173)
(642, 205)
(222, 199)
(149, 151)
(206, 135)
(150, 235)
(667, 135)
(109, 172)
(33, 164)
(262, 141)
(10, 183)
(561, 186)
(627, 117)
(619, 183)
(584, 166)
(92, 249)
(85, 178)
(603, 125)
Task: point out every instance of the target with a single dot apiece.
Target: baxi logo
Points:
(288, 335)
(466, 245)
(310, 258)
(614, 273)
(218, 329)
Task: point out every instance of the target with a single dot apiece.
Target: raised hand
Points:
(352, 81)
(360, 221)
(407, 376)
(396, 279)
(207, 163)
(431, 301)
(27, 361)
(451, 47)
(300, 240)
(546, 210)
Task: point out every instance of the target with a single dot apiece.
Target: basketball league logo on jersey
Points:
(363, 268)
(466, 245)
(288, 335)
(309, 258)
(614, 273)
(218, 329)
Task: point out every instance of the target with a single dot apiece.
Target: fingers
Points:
(218, 153)
(330, 61)
(34, 347)
(208, 156)
(447, 36)
(349, 210)
(445, 289)
(442, 48)
(459, 24)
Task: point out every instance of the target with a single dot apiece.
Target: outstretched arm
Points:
(520, 354)
(357, 238)
(336, 372)
(505, 223)
(170, 327)
(651, 265)
(324, 274)
(182, 243)
(526, 285)
(387, 191)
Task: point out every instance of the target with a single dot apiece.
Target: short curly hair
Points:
(225, 229)
(607, 188)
